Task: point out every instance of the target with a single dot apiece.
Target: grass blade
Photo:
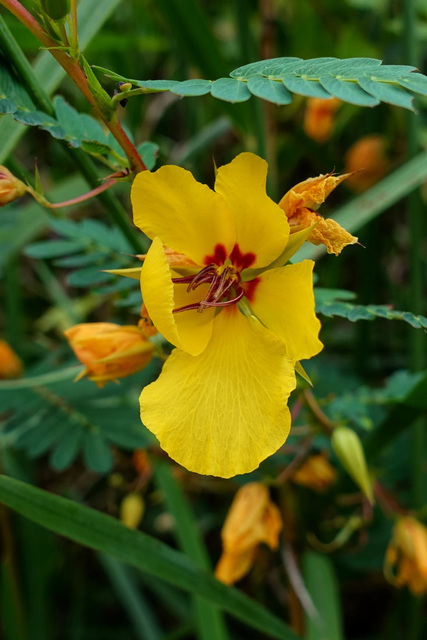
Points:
(103, 533)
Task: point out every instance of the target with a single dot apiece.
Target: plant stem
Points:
(73, 30)
(85, 196)
(76, 73)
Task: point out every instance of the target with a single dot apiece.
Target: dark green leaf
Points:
(87, 277)
(67, 449)
(97, 453)
(322, 585)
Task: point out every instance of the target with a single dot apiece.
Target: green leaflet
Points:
(360, 81)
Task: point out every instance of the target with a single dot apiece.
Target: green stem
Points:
(76, 73)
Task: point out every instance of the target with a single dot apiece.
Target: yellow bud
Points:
(10, 365)
(10, 187)
(346, 444)
(108, 350)
(131, 510)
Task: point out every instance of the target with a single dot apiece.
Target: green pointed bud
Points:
(348, 447)
(56, 9)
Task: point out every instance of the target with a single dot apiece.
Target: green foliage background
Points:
(75, 441)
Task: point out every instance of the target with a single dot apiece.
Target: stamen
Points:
(220, 285)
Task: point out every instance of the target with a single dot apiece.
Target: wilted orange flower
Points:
(319, 118)
(108, 350)
(406, 556)
(316, 473)
(252, 519)
(10, 364)
(10, 187)
(367, 161)
(300, 205)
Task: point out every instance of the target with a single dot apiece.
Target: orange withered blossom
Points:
(319, 118)
(252, 519)
(109, 351)
(301, 204)
(10, 187)
(10, 364)
(406, 556)
(366, 160)
(316, 472)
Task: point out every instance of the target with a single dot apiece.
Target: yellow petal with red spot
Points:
(188, 330)
(221, 413)
(332, 235)
(284, 302)
(261, 228)
(186, 215)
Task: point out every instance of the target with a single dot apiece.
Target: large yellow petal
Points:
(186, 215)
(223, 412)
(261, 227)
(188, 330)
(283, 300)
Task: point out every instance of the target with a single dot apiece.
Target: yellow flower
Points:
(219, 405)
(316, 473)
(406, 556)
(366, 160)
(252, 519)
(109, 351)
(319, 118)
(300, 205)
(10, 187)
(10, 364)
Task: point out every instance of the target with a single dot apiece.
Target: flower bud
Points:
(10, 187)
(56, 9)
(108, 350)
(346, 444)
(10, 365)
(252, 519)
(406, 556)
(316, 473)
(131, 510)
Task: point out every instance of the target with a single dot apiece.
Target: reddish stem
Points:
(85, 196)
(76, 73)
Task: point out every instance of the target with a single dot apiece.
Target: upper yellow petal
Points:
(186, 215)
(283, 300)
(224, 411)
(261, 227)
(188, 330)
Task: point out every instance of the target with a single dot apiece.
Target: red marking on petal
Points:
(218, 257)
(241, 260)
(250, 288)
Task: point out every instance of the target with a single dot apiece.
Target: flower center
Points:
(224, 287)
